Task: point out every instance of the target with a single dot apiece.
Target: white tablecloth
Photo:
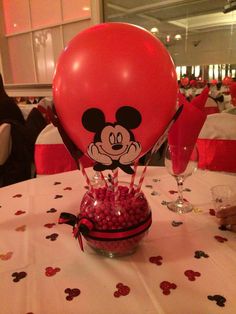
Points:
(29, 215)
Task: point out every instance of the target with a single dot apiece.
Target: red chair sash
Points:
(217, 154)
(53, 158)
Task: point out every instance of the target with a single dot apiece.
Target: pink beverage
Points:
(119, 220)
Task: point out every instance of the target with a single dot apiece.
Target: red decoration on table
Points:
(113, 222)
(166, 286)
(20, 212)
(58, 196)
(220, 239)
(68, 188)
(156, 260)
(185, 130)
(212, 212)
(21, 228)
(173, 192)
(191, 274)
(50, 271)
(17, 195)
(6, 257)
(50, 225)
(123, 290)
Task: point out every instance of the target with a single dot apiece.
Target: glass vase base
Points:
(111, 254)
(180, 207)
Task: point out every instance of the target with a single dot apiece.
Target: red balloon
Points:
(107, 67)
(227, 80)
(184, 81)
(213, 82)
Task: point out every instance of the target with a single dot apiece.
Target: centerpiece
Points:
(115, 92)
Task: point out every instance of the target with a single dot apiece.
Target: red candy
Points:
(106, 214)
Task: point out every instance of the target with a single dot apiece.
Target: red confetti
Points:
(58, 196)
(50, 271)
(7, 256)
(191, 274)
(156, 260)
(17, 195)
(212, 212)
(19, 212)
(21, 228)
(220, 239)
(166, 286)
(122, 290)
(49, 225)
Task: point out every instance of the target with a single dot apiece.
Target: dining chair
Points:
(5, 142)
(217, 143)
(211, 106)
(51, 155)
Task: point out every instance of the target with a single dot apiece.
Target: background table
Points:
(29, 215)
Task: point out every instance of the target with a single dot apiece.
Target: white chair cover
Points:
(5, 142)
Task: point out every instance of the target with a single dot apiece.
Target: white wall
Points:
(28, 56)
(216, 47)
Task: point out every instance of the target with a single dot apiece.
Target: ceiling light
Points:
(154, 30)
(178, 37)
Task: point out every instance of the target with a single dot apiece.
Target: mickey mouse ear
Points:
(128, 117)
(93, 119)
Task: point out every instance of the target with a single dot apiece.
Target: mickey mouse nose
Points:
(117, 146)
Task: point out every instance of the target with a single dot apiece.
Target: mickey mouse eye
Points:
(112, 138)
(119, 137)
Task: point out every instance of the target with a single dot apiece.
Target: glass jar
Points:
(114, 223)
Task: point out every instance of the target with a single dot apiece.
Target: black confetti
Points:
(52, 236)
(176, 223)
(19, 275)
(52, 210)
(220, 300)
(199, 254)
